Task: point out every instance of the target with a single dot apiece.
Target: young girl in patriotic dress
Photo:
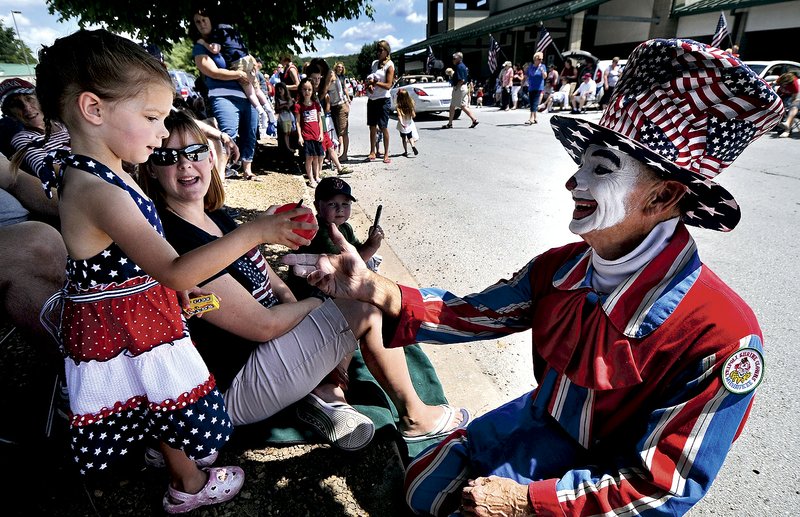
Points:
(134, 377)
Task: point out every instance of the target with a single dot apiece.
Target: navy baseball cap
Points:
(329, 187)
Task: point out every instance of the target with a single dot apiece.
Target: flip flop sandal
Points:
(528, 122)
(223, 485)
(371, 158)
(473, 124)
(387, 160)
(154, 458)
(447, 126)
(441, 430)
(338, 422)
(415, 151)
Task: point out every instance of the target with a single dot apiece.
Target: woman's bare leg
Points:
(388, 366)
(385, 143)
(373, 136)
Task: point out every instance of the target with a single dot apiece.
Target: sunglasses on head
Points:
(166, 156)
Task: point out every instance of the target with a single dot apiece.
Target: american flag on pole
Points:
(494, 48)
(544, 40)
(721, 33)
(429, 62)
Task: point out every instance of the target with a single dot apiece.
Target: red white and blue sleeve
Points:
(672, 462)
(433, 315)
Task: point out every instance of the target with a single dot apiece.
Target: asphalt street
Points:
(477, 204)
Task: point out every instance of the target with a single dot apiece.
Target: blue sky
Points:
(400, 22)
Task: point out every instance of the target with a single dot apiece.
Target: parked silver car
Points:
(771, 70)
(429, 94)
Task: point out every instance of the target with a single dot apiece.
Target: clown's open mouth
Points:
(583, 208)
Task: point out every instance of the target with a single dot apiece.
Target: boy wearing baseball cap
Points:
(332, 200)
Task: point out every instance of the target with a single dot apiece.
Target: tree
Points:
(267, 26)
(179, 57)
(12, 50)
(365, 59)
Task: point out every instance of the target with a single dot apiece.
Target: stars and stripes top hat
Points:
(687, 110)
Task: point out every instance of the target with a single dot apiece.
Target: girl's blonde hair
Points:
(405, 104)
(344, 68)
(181, 124)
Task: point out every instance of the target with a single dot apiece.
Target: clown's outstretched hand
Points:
(340, 275)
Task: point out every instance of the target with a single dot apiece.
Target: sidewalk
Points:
(462, 380)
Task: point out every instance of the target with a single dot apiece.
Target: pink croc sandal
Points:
(223, 485)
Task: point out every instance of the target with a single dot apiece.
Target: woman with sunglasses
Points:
(266, 349)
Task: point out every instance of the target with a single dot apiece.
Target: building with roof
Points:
(605, 28)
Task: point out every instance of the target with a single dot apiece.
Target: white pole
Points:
(21, 44)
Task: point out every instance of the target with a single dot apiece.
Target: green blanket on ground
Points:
(367, 397)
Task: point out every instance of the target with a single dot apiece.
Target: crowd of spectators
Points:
(523, 85)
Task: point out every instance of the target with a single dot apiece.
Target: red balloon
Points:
(306, 218)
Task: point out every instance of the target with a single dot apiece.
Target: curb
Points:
(460, 375)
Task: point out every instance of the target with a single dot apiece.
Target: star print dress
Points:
(133, 373)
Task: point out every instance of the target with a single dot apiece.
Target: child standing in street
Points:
(133, 374)
(330, 139)
(405, 121)
(308, 113)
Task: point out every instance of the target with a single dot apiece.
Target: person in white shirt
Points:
(583, 94)
(559, 98)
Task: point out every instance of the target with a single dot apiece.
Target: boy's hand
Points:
(375, 235)
(232, 148)
(343, 276)
(299, 141)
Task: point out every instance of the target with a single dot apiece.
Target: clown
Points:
(631, 333)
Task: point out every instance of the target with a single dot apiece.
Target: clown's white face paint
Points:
(601, 188)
